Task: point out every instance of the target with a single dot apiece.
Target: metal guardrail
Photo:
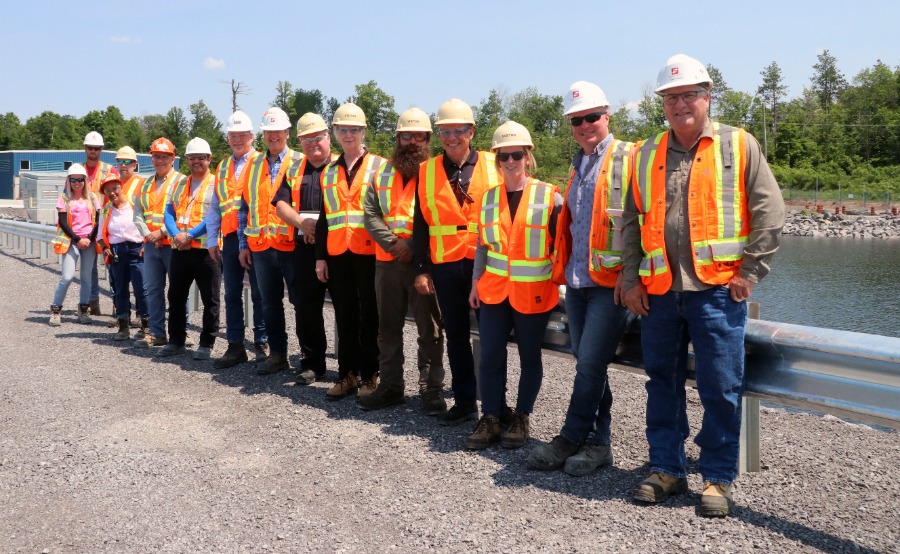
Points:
(13, 233)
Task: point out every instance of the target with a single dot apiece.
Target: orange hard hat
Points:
(111, 177)
(162, 146)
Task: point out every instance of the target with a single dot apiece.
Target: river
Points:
(849, 284)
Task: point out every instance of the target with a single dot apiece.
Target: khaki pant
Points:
(395, 294)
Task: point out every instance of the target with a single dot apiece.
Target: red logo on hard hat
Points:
(575, 94)
(272, 119)
(675, 70)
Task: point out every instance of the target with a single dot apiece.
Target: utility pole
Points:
(237, 88)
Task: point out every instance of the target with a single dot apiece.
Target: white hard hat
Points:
(239, 122)
(349, 114)
(681, 70)
(93, 139)
(197, 146)
(454, 111)
(414, 120)
(275, 120)
(76, 169)
(511, 134)
(583, 95)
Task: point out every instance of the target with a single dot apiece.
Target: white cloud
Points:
(125, 39)
(213, 63)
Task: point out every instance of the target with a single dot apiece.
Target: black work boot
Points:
(236, 354)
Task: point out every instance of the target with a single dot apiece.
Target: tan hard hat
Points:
(414, 120)
(682, 70)
(454, 111)
(349, 114)
(126, 153)
(511, 134)
(310, 123)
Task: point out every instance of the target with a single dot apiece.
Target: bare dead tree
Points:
(237, 88)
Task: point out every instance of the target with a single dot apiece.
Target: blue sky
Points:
(73, 57)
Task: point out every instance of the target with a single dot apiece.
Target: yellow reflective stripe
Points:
(253, 223)
(441, 230)
(719, 250)
(436, 230)
(490, 219)
(654, 263)
(525, 271)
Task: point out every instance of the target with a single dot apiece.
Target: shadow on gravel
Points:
(34, 260)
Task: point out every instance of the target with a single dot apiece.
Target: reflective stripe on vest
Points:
(153, 201)
(264, 228)
(193, 207)
(228, 188)
(396, 212)
(343, 206)
(61, 242)
(617, 168)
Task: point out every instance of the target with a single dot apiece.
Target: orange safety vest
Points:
(294, 178)
(152, 201)
(606, 219)
(264, 228)
(453, 229)
(93, 185)
(228, 187)
(191, 209)
(717, 207)
(132, 187)
(62, 241)
(519, 263)
(397, 201)
(343, 206)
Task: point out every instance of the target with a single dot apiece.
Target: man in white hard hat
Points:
(96, 171)
(222, 241)
(185, 219)
(388, 216)
(445, 232)
(265, 240)
(298, 202)
(702, 221)
(588, 260)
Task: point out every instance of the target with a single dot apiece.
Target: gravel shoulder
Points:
(106, 449)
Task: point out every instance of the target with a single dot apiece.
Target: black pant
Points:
(452, 284)
(309, 294)
(352, 279)
(186, 267)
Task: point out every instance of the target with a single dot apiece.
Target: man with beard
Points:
(388, 217)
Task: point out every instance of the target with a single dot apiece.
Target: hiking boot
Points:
(506, 415)
(716, 500)
(380, 398)
(433, 403)
(134, 322)
(308, 377)
(486, 433)
(124, 332)
(144, 330)
(202, 353)
(188, 341)
(260, 352)
(459, 413)
(516, 433)
(94, 307)
(590, 457)
(55, 316)
(272, 365)
(150, 340)
(170, 350)
(234, 355)
(368, 386)
(344, 386)
(658, 487)
(83, 316)
(553, 454)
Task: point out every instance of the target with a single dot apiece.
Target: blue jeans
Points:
(233, 276)
(95, 281)
(129, 269)
(594, 317)
(495, 323)
(88, 258)
(715, 324)
(156, 270)
(452, 283)
(274, 269)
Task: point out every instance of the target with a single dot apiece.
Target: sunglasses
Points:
(505, 156)
(93, 148)
(124, 162)
(590, 118)
(418, 137)
(309, 141)
(76, 179)
(689, 97)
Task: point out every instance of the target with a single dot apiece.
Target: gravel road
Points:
(106, 449)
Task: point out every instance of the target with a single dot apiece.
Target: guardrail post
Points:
(29, 247)
(45, 251)
(749, 450)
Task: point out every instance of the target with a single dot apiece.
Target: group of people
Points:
(676, 229)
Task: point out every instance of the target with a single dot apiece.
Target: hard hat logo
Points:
(674, 71)
(575, 94)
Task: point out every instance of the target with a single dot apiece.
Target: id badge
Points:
(184, 220)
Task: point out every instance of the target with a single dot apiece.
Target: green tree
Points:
(205, 125)
(827, 81)
(11, 132)
(109, 123)
(719, 90)
(284, 95)
(53, 131)
(175, 127)
(381, 119)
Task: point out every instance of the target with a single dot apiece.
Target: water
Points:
(849, 284)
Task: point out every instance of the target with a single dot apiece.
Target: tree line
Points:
(835, 132)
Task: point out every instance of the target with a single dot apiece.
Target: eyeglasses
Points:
(93, 148)
(348, 130)
(124, 162)
(161, 156)
(418, 137)
(76, 179)
(689, 97)
(197, 157)
(590, 118)
(114, 191)
(449, 133)
(505, 156)
(309, 141)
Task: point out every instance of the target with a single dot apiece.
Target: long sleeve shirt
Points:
(322, 223)
(214, 215)
(139, 220)
(171, 217)
(274, 168)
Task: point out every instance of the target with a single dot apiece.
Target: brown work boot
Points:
(55, 316)
(716, 500)
(344, 386)
(260, 352)
(380, 398)
(124, 333)
(487, 432)
(234, 355)
(94, 307)
(368, 386)
(83, 316)
(658, 487)
(150, 340)
(272, 365)
(433, 403)
(516, 434)
(144, 329)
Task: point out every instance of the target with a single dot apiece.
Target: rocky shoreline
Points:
(801, 223)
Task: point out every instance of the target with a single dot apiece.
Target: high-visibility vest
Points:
(343, 206)
(93, 185)
(519, 264)
(606, 219)
(294, 178)
(717, 207)
(131, 187)
(152, 201)
(228, 187)
(397, 201)
(453, 229)
(264, 228)
(191, 209)
(62, 241)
